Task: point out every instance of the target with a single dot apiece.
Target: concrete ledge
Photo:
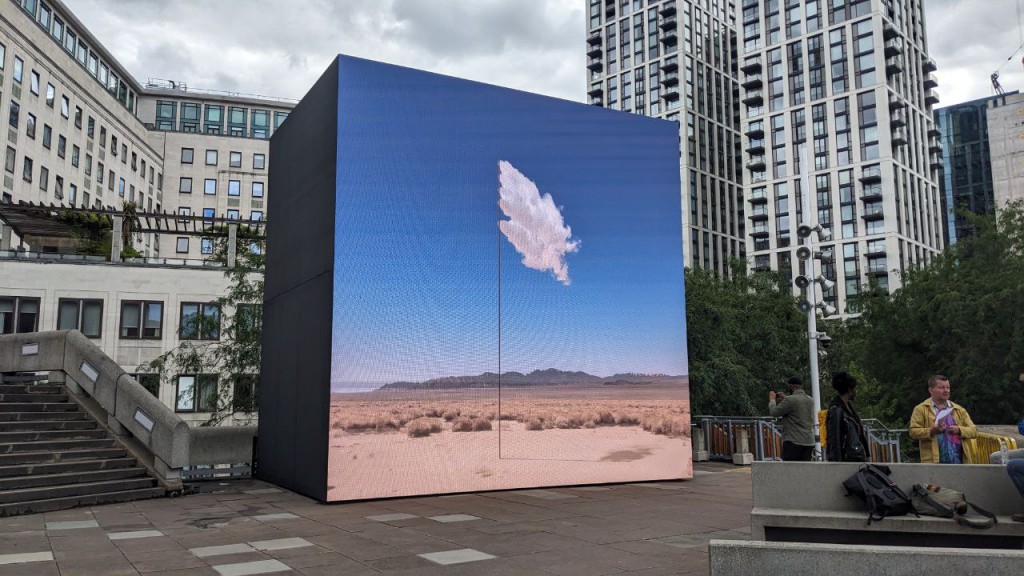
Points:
(221, 445)
(168, 436)
(34, 352)
(818, 485)
(743, 558)
(805, 502)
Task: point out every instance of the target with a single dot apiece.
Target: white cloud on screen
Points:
(535, 225)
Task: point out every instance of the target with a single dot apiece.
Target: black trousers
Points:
(796, 453)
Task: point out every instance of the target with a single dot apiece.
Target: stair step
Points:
(34, 397)
(77, 489)
(32, 469)
(38, 406)
(39, 416)
(69, 478)
(50, 456)
(56, 445)
(47, 425)
(36, 506)
(23, 378)
(31, 389)
(49, 435)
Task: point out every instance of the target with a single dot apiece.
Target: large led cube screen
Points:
(507, 291)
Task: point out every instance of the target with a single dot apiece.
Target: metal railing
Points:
(724, 436)
(987, 444)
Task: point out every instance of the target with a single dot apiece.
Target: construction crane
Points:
(996, 86)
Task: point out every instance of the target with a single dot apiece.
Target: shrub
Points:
(462, 424)
(450, 415)
(535, 424)
(481, 424)
(421, 427)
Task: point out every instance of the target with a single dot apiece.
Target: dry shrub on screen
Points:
(422, 427)
(535, 424)
(450, 415)
(481, 424)
(462, 424)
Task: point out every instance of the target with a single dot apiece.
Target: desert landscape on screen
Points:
(541, 429)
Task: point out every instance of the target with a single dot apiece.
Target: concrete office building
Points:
(83, 133)
(849, 87)
(675, 59)
(966, 177)
(1006, 143)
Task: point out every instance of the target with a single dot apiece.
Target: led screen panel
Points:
(508, 305)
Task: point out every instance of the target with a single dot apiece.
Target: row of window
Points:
(139, 319)
(240, 121)
(211, 213)
(210, 187)
(259, 161)
(62, 33)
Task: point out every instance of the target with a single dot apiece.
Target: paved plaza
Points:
(250, 527)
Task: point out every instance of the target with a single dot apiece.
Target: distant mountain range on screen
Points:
(547, 377)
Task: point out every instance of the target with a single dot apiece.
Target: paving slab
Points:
(248, 527)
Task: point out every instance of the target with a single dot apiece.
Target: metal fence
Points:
(761, 436)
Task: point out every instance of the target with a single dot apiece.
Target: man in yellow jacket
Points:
(939, 425)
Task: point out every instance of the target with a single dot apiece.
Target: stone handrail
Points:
(130, 409)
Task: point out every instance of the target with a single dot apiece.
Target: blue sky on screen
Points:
(590, 279)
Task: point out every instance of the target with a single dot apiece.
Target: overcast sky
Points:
(275, 48)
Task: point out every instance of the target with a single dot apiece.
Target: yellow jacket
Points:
(921, 422)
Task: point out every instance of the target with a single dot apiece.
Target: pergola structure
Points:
(31, 220)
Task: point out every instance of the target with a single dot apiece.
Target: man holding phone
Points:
(796, 412)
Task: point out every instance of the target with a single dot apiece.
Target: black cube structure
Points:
(469, 288)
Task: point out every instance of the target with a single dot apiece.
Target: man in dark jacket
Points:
(797, 414)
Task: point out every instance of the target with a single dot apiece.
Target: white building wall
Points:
(1006, 144)
(50, 281)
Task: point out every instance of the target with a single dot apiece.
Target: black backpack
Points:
(881, 495)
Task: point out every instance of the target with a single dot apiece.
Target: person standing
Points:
(797, 414)
(940, 426)
(845, 438)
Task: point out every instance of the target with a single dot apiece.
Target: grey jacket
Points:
(797, 413)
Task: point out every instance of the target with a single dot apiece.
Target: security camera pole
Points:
(806, 253)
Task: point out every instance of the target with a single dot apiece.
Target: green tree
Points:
(959, 316)
(234, 358)
(745, 337)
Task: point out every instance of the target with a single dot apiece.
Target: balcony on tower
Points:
(931, 96)
(898, 118)
(755, 146)
(752, 81)
(889, 31)
(753, 98)
(899, 137)
(670, 79)
(930, 81)
(928, 65)
(670, 64)
(871, 174)
(756, 163)
(893, 66)
(935, 161)
(596, 90)
(893, 47)
(896, 102)
(668, 8)
(594, 37)
(595, 64)
(751, 65)
(668, 22)
(670, 93)
(594, 50)
(874, 213)
(669, 37)
(755, 130)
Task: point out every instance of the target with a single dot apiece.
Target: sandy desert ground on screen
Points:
(391, 443)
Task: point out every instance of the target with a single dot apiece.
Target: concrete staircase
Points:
(54, 455)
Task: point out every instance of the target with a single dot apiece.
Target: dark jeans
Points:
(1015, 468)
(796, 453)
